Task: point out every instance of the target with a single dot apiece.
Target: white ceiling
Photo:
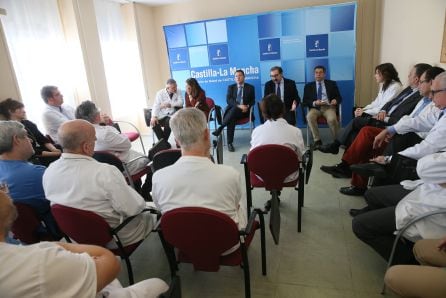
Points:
(159, 2)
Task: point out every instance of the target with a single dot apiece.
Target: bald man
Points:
(51, 269)
(77, 180)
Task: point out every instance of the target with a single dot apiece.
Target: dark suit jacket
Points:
(405, 108)
(310, 93)
(289, 95)
(249, 97)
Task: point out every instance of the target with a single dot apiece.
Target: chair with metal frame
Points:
(133, 180)
(268, 166)
(86, 227)
(165, 158)
(28, 228)
(202, 236)
(320, 120)
(399, 233)
(131, 135)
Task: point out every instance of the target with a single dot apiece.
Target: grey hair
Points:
(171, 82)
(188, 126)
(87, 110)
(47, 92)
(441, 78)
(8, 130)
(71, 140)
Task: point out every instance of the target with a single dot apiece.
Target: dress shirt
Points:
(81, 182)
(427, 197)
(197, 182)
(324, 92)
(435, 141)
(421, 123)
(282, 88)
(383, 97)
(281, 133)
(53, 117)
(397, 104)
(45, 270)
(110, 139)
(163, 97)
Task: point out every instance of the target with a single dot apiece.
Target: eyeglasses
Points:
(433, 92)
(275, 75)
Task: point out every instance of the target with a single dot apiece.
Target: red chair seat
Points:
(242, 121)
(256, 182)
(132, 135)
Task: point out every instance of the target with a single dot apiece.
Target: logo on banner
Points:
(317, 45)
(218, 54)
(179, 59)
(269, 49)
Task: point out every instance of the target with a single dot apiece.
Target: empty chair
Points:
(208, 238)
(133, 135)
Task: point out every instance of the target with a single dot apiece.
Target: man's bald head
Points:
(77, 136)
(8, 214)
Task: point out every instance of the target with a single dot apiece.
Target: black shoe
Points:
(317, 145)
(217, 132)
(268, 205)
(352, 191)
(337, 171)
(231, 148)
(356, 212)
(332, 148)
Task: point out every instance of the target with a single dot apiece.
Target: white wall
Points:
(412, 32)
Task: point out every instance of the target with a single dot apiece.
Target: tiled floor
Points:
(324, 260)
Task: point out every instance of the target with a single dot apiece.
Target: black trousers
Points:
(232, 114)
(401, 142)
(376, 227)
(160, 132)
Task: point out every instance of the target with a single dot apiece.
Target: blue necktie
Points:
(319, 91)
(398, 100)
(441, 114)
(278, 91)
(239, 95)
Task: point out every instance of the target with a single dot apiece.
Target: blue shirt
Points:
(25, 183)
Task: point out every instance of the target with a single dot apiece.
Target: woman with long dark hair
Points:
(195, 96)
(44, 150)
(389, 87)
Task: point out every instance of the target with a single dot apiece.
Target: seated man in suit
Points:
(240, 98)
(390, 113)
(286, 90)
(79, 181)
(55, 112)
(194, 181)
(23, 179)
(322, 97)
(59, 269)
(167, 101)
(423, 119)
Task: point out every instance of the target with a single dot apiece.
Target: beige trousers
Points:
(329, 113)
(427, 280)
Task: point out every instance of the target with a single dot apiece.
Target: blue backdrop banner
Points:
(297, 40)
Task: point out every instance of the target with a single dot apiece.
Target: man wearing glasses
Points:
(286, 90)
(55, 112)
